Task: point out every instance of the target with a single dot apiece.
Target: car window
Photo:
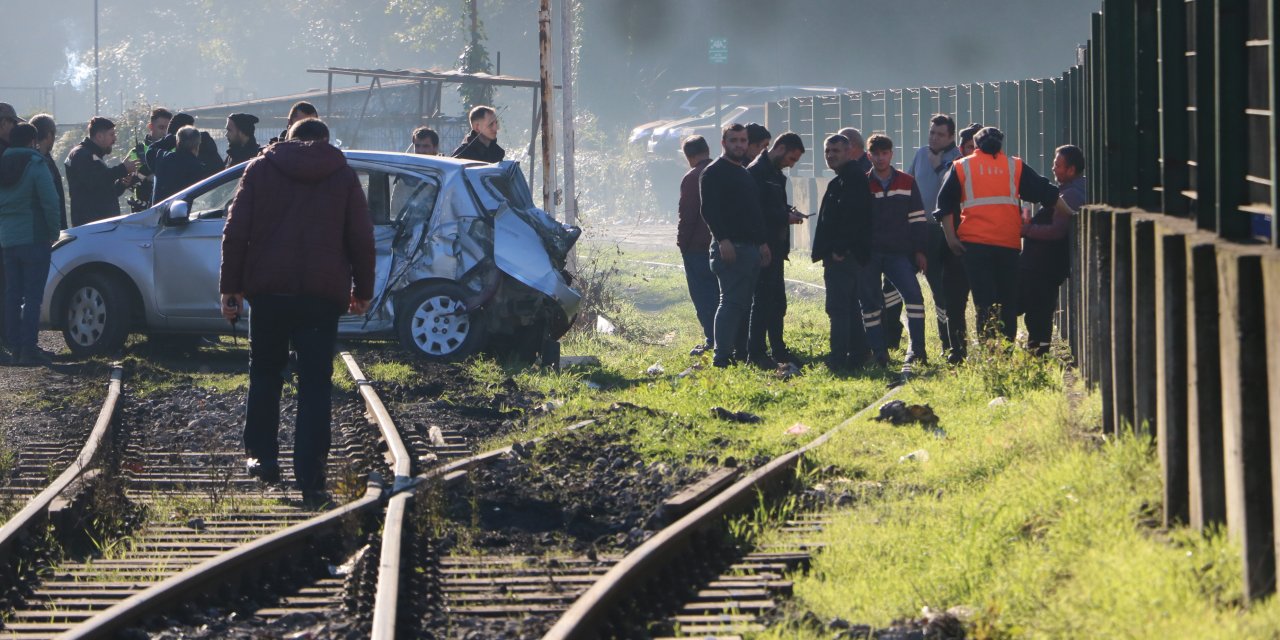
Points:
(517, 194)
(213, 202)
(376, 191)
(412, 194)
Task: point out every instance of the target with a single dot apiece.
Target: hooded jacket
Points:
(237, 153)
(95, 188)
(28, 200)
(299, 225)
(473, 149)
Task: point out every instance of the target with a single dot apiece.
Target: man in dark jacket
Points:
(482, 143)
(178, 169)
(731, 208)
(298, 244)
(211, 161)
(842, 241)
(96, 188)
(1045, 261)
(769, 306)
(28, 226)
(694, 240)
(46, 136)
(301, 110)
(241, 145)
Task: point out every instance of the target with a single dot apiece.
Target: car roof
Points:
(401, 158)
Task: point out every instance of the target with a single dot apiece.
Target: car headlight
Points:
(63, 239)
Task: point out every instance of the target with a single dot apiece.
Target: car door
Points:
(188, 257)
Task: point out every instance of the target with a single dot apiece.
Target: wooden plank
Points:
(688, 499)
(1245, 416)
(1271, 296)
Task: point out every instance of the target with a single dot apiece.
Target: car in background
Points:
(684, 103)
(665, 140)
(465, 261)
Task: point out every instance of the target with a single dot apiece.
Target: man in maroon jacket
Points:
(694, 239)
(298, 245)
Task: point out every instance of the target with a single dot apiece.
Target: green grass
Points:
(1023, 515)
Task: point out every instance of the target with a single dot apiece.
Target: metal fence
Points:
(1173, 308)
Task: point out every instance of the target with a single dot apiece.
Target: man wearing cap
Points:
(241, 145)
(8, 118)
(95, 188)
(985, 190)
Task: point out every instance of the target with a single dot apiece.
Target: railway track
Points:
(260, 559)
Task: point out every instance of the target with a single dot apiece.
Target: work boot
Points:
(265, 473)
(317, 499)
(917, 359)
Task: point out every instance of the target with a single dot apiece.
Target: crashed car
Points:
(465, 262)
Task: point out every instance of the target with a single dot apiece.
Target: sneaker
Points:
(317, 499)
(766, 363)
(957, 356)
(699, 350)
(36, 357)
(266, 473)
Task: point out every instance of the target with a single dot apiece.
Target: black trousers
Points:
(310, 325)
(993, 278)
(848, 334)
(1037, 301)
(768, 310)
(956, 286)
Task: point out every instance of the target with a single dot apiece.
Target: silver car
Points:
(465, 261)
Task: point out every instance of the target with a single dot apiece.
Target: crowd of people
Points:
(956, 216)
(173, 155)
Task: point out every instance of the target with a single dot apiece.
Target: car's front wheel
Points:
(97, 320)
(433, 323)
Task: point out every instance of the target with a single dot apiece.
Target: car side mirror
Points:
(177, 212)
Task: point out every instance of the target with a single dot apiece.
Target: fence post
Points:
(1171, 368)
(1271, 296)
(1144, 324)
(1245, 415)
(1101, 225)
(1206, 486)
(1121, 319)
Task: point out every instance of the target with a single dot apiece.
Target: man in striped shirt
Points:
(899, 238)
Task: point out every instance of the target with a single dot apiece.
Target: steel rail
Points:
(387, 598)
(175, 591)
(218, 570)
(589, 614)
(37, 508)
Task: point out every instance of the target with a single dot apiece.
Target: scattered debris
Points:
(655, 369)
(920, 455)
(623, 405)
(697, 366)
(436, 436)
(603, 325)
(999, 401)
(798, 428)
(786, 370)
(735, 416)
(898, 412)
(549, 406)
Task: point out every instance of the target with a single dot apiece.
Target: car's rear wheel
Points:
(97, 320)
(433, 323)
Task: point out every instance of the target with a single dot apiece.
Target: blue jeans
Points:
(901, 271)
(848, 337)
(737, 286)
(310, 324)
(704, 290)
(26, 268)
(993, 279)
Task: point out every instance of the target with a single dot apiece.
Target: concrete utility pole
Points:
(566, 50)
(548, 141)
(95, 57)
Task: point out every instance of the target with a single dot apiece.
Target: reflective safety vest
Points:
(990, 212)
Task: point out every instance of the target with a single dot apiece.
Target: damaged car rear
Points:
(465, 262)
